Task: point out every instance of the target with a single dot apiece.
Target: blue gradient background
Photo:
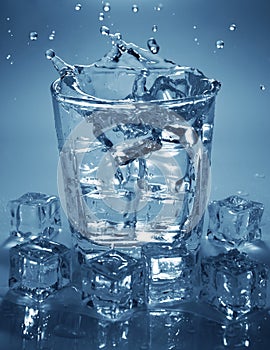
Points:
(28, 145)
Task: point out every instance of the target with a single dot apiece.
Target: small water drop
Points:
(196, 39)
(153, 45)
(106, 7)
(78, 7)
(8, 18)
(154, 28)
(52, 35)
(195, 27)
(220, 44)
(158, 7)
(135, 8)
(259, 175)
(104, 30)
(50, 54)
(8, 56)
(33, 36)
(262, 87)
(101, 16)
(232, 27)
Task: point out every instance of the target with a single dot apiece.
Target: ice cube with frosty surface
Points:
(234, 221)
(35, 214)
(233, 283)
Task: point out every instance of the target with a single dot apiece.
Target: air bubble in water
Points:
(135, 8)
(106, 7)
(262, 87)
(104, 30)
(78, 7)
(154, 28)
(232, 27)
(220, 44)
(153, 45)
(101, 16)
(49, 54)
(33, 36)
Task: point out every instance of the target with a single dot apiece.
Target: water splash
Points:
(220, 44)
(153, 46)
(135, 8)
(33, 36)
(154, 28)
(107, 7)
(233, 27)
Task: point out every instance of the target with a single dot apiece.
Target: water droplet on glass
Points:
(220, 44)
(101, 16)
(104, 30)
(153, 45)
(154, 28)
(232, 27)
(135, 8)
(49, 54)
(106, 7)
(33, 36)
(262, 87)
(158, 7)
(78, 7)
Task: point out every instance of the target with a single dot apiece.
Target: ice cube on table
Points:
(170, 274)
(35, 214)
(233, 283)
(108, 283)
(234, 221)
(39, 268)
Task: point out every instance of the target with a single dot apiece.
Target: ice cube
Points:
(39, 267)
(108, 281)
(233, 283)
(165, 88)
(35, 214)
(234, 221)
(170, 273)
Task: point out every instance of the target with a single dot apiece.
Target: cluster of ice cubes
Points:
(113, 282)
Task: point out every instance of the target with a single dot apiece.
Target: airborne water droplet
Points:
(154, 28)
(158, 7)
(262, 87)
(52, 35)
(220, 44)
(104, 30)
(135, 8)
(49, 54)
(106, 7)
(194, 27)
(33, 36)
(101, 16)
(153, 45)
(78, 7)
(232, 27)
(8, 19)
(8, 56)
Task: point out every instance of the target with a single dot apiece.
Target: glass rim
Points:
(88, 100)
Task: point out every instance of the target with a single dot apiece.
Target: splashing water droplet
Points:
(8, 56)
(106, 7)
(101, 16)
(154, 28)
(196, 39)
(104, 30)
(220, 44)
(8, 18)
(158, 7)
(78, 7)
(52, 35)
(49, 54)
(232, 27)
(33, 36)
(135, 8)
(262, 87)
(153, 45)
